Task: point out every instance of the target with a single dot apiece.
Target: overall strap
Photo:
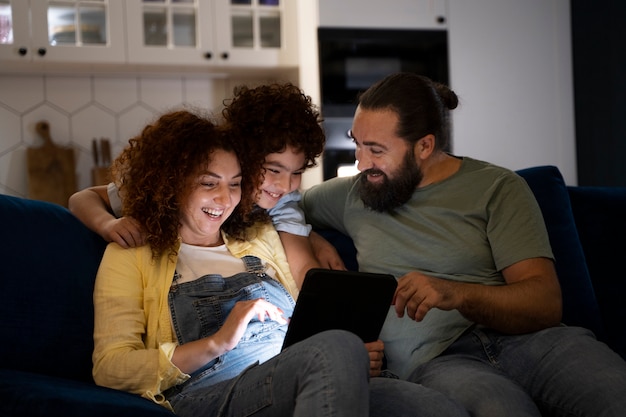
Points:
(254, 265)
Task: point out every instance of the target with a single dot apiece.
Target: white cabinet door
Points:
(257, 33)
(211, 33)
(15, 42)
(65, 31)
(177, 32)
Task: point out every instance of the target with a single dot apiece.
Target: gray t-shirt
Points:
(467, 228)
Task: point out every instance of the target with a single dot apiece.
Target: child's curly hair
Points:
(156, 173)
(270, 117)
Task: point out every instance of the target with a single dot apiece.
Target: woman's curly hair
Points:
(270, 117)
(158, 169)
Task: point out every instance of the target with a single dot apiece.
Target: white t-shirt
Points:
(197, 261)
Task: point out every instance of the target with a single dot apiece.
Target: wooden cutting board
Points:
(51, 170)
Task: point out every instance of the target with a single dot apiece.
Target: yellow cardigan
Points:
(133, 337)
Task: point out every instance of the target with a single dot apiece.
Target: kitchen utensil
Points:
(102, 159)
(105, 146)
(51, 169)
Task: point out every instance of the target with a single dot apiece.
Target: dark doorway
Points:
(599, 60)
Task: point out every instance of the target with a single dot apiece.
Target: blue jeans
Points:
(560, 371)
(325, 375)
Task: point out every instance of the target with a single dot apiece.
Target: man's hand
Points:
(418, 293)
(375, 350)
(528, 300)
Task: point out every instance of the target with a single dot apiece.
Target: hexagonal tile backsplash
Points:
(81, 108)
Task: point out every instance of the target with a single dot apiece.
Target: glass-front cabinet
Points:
(169, 31)
(254, 29)
(210, 32)
(62, 30)
(181, 33)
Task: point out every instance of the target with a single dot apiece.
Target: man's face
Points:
(389, 168)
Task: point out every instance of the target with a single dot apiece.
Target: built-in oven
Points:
(352, 59)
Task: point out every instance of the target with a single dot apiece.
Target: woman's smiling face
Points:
(283, 174)
(213, 199)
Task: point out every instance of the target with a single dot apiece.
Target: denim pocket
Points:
(211, 311)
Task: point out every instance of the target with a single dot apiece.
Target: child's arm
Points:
(92, 206)
(299, 255)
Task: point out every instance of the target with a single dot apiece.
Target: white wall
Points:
(308, 72)
(510, 63)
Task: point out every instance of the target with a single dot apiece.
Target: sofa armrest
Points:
(580, 307)
(49, 263)
(600, 214)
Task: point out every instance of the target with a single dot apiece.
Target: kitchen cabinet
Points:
(212, 33)
(63, 31)
(41, 35)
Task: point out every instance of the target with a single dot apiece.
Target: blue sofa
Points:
(49, 262)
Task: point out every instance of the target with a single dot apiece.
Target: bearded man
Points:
(478, 307)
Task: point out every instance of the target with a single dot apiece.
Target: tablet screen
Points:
(348, 300)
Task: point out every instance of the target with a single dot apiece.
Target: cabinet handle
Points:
(441, 19)
(22, 51)
(41, 51)
(208, 55)
(224, 55)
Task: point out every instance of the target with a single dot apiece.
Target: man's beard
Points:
(394, 192)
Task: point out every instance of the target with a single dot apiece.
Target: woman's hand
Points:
(191, 356)
(230, 333)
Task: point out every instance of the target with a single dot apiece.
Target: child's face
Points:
(283, 174)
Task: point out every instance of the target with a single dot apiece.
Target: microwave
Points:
(352, 59)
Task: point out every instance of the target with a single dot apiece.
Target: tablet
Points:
(348, 300)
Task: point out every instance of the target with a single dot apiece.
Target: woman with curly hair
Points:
(194, 320)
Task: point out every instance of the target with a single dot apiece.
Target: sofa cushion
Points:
(599, 214)
(26, 394)
(49, 264)
(580, 307)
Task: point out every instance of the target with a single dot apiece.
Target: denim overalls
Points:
(200, 307)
